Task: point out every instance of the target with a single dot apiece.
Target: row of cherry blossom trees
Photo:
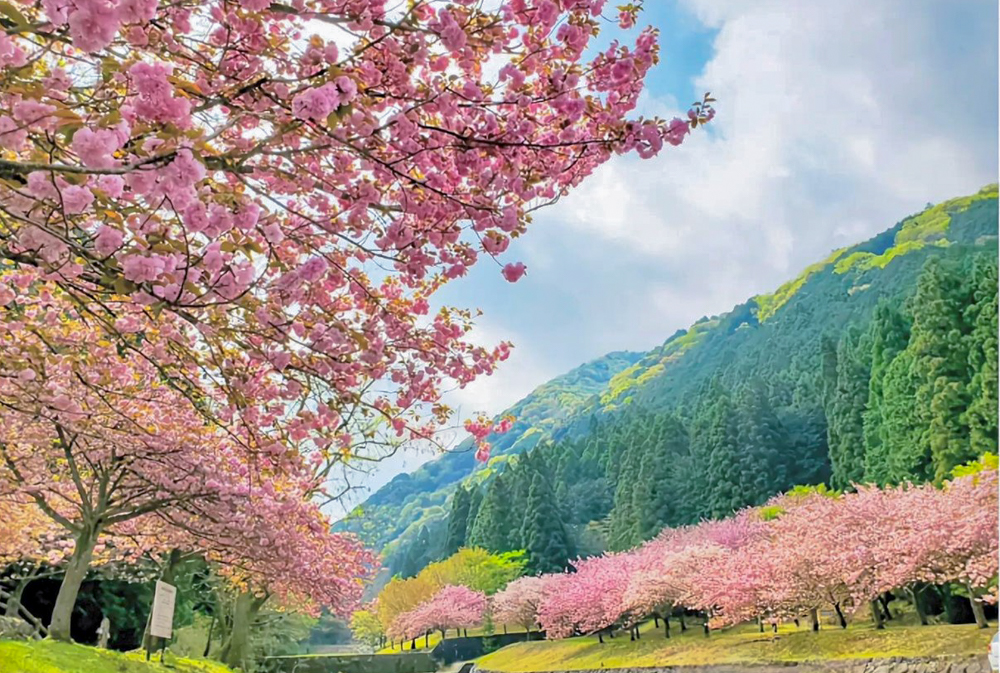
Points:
(222, 229)
(806, 550)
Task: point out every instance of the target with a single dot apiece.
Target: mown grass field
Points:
(46, 656)
(743, 644)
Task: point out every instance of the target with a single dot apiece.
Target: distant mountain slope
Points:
(414, 499)
(774, 338)
(765, 334)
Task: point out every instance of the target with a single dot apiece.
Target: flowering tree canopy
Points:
(518, 602)
(294, 181)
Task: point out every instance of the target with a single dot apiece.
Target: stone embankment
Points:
(950, 664)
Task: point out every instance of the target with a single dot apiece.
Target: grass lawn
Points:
(46, 656)
(743, 644)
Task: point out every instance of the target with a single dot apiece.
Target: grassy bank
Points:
(744, 644)
(50, 657)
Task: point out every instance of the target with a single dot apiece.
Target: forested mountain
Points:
(877, 364)
(413, 500)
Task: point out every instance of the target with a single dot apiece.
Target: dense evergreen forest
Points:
(877, 365)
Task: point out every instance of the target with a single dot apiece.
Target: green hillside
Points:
(766, 331)
(739, 406)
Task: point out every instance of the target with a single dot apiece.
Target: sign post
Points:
(161, 619)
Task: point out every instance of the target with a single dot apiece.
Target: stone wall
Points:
(950, 664)
(407, 662)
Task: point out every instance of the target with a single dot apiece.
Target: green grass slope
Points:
(741, 645)
(46, 656)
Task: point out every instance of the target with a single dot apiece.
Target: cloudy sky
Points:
(836, 119)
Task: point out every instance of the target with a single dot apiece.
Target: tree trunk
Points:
(666, 626)
(637, 634)
(796, 620)
(427, 639)
(236, 651)
(814, 618)
(656, 621)
(211, 627)
(760, 624)
(76, 572)
(877, 614)
(977, 607)
(413, 643)
(885, 606)
(918, 605)
(707, 630)
(600, 637)
(14, 602)
(684, 626)
(840, 615)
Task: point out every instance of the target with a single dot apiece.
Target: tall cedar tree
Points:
(845, 411)
(544, 535)
(981, 416)
(887, 337)
(458, 521)
(491, 529)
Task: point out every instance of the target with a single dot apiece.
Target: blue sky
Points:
(836, 120)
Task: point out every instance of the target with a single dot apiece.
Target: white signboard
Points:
(161, 624)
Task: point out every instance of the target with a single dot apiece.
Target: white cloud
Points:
(835, 120)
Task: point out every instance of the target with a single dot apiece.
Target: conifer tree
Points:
(491, 529)
(716, 438)
(845, 410)
(475, 503)
(907, 455)
(765, 449)
(458, 519)
(654, 497)
(545, 540)
(940, 364)
(888, 336)
(981, 416)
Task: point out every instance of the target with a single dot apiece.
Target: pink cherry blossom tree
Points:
(452, 607)
(114, 456)
(518, 602)
(589, 600)
(294, 182)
